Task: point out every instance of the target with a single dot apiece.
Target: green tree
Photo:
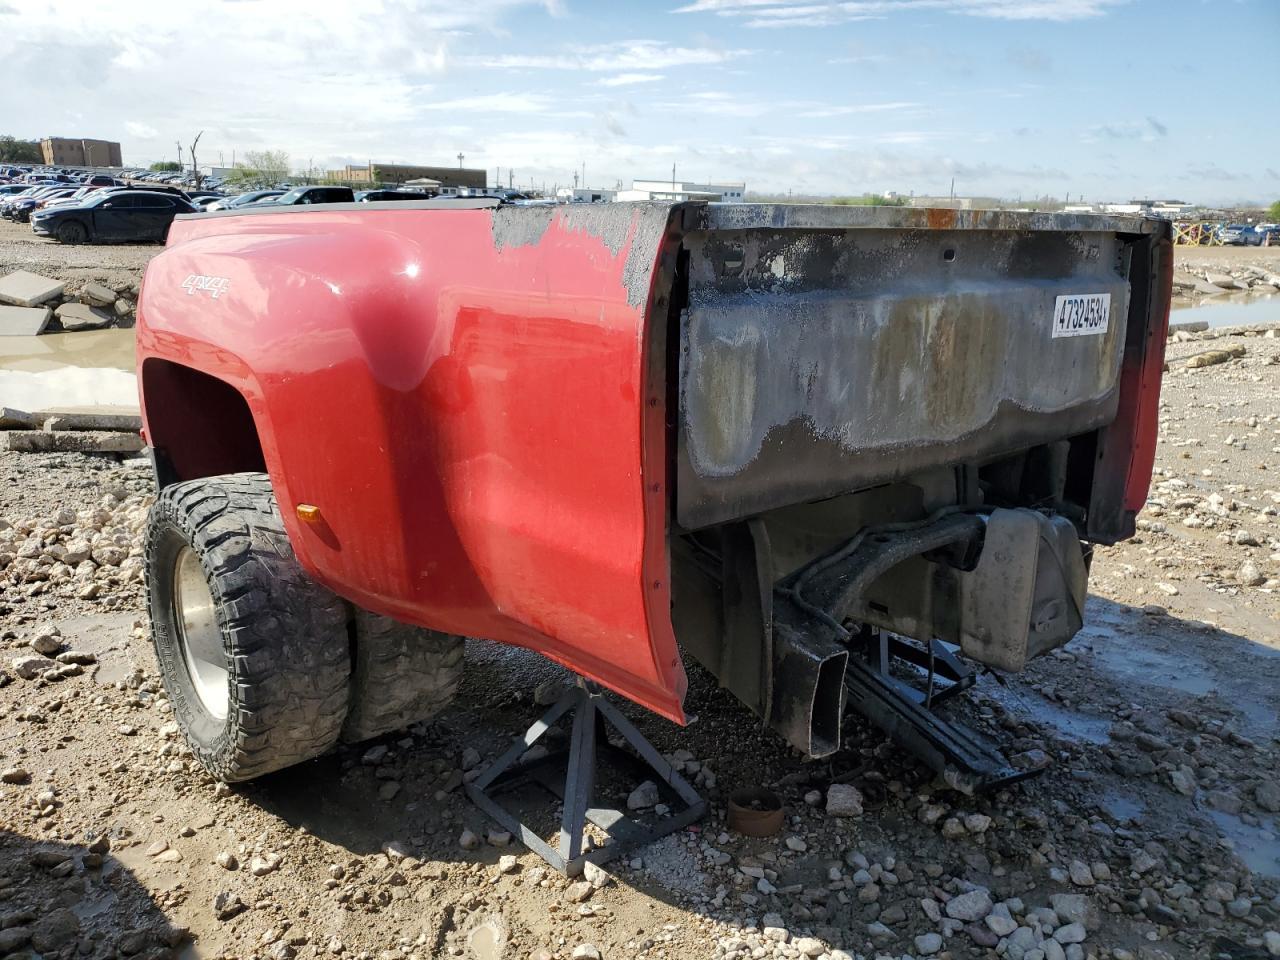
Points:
(260, 168)
(171, 166)
(13, 150)
(1273, 212)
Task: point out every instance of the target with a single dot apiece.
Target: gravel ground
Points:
(1151, 834)
(20, 249)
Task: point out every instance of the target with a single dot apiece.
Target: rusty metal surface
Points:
(818, 358)
(786, 216)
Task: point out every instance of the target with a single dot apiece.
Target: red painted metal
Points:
(480, 419)
(1149, 376)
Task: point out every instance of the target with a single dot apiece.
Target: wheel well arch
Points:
(197, 425)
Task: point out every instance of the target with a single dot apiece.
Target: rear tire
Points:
(72, 232)
(256, 658)
(402, 675)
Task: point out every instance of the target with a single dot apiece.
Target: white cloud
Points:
(860, 58)
(718, 103)
(847, 110)
(312, 77)
(134, 56)
(629, 79)
(633, 55)
(805, 13)
(494, 103)
(1147, 131)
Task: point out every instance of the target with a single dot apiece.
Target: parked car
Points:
(1268, 235)
(1238, 235)
(132, 216)
(20, 210)
(8, 200)
(378, 196)
(300, 196)
(67, 199)
(230, 203)
(203, 203)
(153, 188)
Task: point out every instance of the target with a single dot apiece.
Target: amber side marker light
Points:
(308, 513)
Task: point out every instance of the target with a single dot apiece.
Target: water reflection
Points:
(91, 368)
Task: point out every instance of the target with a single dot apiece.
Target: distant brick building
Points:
(403, 173)
(61, 151)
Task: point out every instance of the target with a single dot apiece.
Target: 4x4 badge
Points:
(214, 286)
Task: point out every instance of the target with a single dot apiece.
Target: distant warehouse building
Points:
(449, 177)
(1168, 209)
(585, 195)
(680, 190)
(65, 152)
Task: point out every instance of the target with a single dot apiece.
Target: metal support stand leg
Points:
(571, 775)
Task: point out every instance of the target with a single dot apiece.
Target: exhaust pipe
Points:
(807, 699)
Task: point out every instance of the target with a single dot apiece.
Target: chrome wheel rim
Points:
(199, 636)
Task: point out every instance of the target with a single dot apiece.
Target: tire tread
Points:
(285, 635)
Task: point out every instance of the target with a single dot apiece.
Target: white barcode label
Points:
(1081, 315)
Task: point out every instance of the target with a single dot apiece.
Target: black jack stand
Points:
(569, 774)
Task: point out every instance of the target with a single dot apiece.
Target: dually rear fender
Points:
(474, 400)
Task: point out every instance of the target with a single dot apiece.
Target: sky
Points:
(1092, 99)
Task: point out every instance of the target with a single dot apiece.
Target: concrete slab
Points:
(98, 294)
(115, 422)
(23, 321)
(41, 441)
(81, 316)
(26, 289)
(11, 419)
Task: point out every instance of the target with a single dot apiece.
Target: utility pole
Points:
(673, 178)
(511, 179)
(178, 143)
(575, 179)
(953, 188)
(460, 159)
(584, 174)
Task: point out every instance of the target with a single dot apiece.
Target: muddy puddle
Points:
(108, 637)
(1258, 846)
(1230, 310)
(1068, 724)
(1183, 657)
(1186, 671)
(89, 369)
(1122, 808)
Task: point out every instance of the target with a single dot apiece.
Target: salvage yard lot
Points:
(1152, 833)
